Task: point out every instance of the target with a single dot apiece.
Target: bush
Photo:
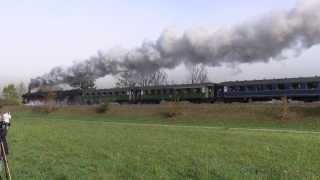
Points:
(104, 107)
(44, 109)
(7, 102)
(169, 114)
(171, 111)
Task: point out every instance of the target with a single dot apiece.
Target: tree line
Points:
(11, 94)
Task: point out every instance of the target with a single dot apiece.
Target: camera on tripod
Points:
(4, 150)
(4, 125)
(5, 118)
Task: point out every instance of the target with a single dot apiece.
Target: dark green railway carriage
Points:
(152, 94)
(185, 92)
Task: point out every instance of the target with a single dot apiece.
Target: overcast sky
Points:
(37, 35)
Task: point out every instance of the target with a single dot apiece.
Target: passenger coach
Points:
(304, 89)
(153, 94)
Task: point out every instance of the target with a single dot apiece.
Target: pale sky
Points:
(37, 35)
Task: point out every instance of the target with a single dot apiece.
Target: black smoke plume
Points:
(259, 40)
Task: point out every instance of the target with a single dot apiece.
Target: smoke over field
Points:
(258, 40)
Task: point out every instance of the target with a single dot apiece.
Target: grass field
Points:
(138, 142)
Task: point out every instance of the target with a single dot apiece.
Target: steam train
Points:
(305, 89)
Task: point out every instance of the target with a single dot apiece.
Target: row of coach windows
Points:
(172, 91)
(269, 87)
(106, 93)
(149, 92)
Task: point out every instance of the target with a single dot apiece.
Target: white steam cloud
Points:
(259, 40)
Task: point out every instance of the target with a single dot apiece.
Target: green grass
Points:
(78, 146)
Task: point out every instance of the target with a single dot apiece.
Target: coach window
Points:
(296, 86)
(242, 88)
(251, 88)
(171, 91)
(269, 87)
(117, 93)
(281, 86)
(312, 85)
(165, 91)
(260, 88)
(158, 92)
(185, 91)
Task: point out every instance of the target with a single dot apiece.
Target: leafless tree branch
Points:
(142, 79)
(198, 74)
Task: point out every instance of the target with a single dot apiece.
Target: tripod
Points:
(3, 152)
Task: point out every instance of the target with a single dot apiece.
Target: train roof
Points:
(180, 86)
(184, 86)
(273, 81)
(174, 86)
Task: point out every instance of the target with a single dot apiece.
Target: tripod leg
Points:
(5, 161)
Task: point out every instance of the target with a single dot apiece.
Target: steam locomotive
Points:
(305, 89)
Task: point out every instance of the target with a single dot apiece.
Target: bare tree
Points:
(198, 74)
(126, 79)
(21, 89)
(156, 78)
(142, 79)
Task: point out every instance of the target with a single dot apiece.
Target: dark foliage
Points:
(104, 107)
